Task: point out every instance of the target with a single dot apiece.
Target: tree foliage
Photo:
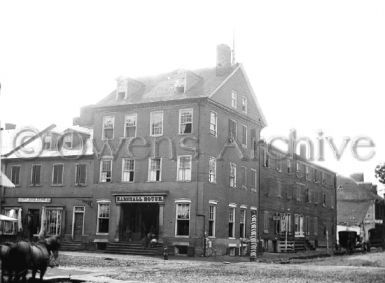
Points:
(380, 173)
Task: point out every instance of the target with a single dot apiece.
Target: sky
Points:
(313, 65)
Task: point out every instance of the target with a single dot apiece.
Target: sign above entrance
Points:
(139, 199)
(39, 200)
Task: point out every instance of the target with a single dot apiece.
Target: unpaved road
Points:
(122, 268)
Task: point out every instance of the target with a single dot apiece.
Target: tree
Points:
(380, 173)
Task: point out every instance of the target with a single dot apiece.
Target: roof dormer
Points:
(121, 89)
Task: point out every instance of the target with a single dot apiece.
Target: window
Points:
(106, 171)
(244, 104)
(308, 173)
(122, 89)
(81, 175)
(156, 123)
(307, 225)
(307, 195)
(324, 199)
(266, 222)
(298, 192)
(8, 227)
(35, 175)
(231, 222)
(185, 121)
(182, 219)
(57, 174)
(154, 170)
(233, 175)
(15, 175)
(130, 125)
(289, 166)
(234, 99)
(47, 142)
(184, 168)
(253, 178)
(212, 216)
(232, 129)
(278, 163)
(128, 170)
(212, 169)
(108, 128)
(103, 217)
(68, 140)
(213, 123)
(244, 177)
(53, 221)
(244, 136)
(242, 223)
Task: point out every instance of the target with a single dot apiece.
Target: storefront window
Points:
(103, 217)
(53, 221)
(182, 219)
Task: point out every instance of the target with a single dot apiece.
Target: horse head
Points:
(53, 244)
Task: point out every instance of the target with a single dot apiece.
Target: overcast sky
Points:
(314, 65)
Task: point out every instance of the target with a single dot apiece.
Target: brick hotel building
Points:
(172, 155)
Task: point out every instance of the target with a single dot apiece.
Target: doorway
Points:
(137, 220)
(78, 223)
(33, 222)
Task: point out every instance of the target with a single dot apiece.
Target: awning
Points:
(7, 218)
(5, 182)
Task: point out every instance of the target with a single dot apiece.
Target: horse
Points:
(17, 258)
(44, 254)
(15, 261)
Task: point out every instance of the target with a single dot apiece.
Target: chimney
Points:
(223, 59)
(302, 151)
(9, 126)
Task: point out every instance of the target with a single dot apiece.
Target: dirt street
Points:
(122, 268)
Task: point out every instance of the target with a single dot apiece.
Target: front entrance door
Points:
(137, 220)
(78, 223)
(33, 221)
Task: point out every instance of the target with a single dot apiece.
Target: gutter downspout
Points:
(197, 187)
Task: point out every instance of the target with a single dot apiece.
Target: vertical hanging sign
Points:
(253, 236)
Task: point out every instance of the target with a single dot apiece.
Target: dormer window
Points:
(68, 140)
(47, 142)
(179, 85)
(234, 99)
(121, 91)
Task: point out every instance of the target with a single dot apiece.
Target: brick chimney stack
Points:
(223, 59)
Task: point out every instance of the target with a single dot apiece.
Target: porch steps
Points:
(133, 249)
(71, 246)
(293, 245)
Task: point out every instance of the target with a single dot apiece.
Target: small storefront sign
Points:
(35, 200)
(139, 199)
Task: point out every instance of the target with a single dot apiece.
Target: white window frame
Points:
(255, 178)
(70, 137)
(244, 104)
(180, 202)
(244, 131)
(85, 172)
(128, 171)
(73, 218)
(181, 112)
(59, 225)
(18, 179)
(97, 216)
(215, 125)
(213, 173)
(213, 219)
(244, 177)
(234, 99)
(242, 220)
(233, 176)
(149, 170)
(113, 127)
(232, 208)
(53, 174)
(152, 113)
(178, 177)
(101, 169)
(135, 115)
